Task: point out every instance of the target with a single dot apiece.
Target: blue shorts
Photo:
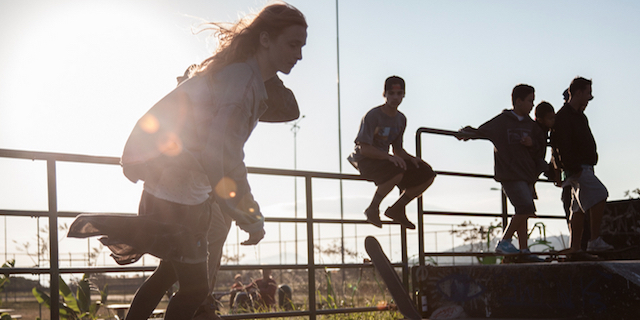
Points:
(521, 195)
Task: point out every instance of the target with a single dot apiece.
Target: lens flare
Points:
(382, 305)
(170, 144)
(226, 188)
(149, 123)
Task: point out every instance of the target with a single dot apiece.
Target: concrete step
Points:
(568, 290)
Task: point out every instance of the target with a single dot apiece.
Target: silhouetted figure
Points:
(188, 150)
(285, 297)
(266, 288)
(545, 118)
(236, 287)
(578, 155)
(566, 190)
(381, 127)
(519, 149)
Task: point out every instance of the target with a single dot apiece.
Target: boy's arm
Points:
(399, 151)
(369, 151)
(467, 133)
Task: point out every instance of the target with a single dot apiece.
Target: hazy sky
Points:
(76, 75)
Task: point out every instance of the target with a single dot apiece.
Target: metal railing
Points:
(421, 212)
(53, 214)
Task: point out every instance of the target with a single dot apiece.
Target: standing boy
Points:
(578, 154)
(517, 155)
(381, 127)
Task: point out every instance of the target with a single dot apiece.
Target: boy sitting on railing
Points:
(381, 127)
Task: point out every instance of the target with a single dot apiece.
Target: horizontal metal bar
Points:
(302, 313)
(152, 268)
(485, 254)
(33, 155)
(480, 214)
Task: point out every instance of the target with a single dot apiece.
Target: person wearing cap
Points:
(382, 127)
(578, 155)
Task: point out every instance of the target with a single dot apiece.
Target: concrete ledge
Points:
(569, 290)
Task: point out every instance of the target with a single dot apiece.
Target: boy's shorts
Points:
(587, 190)
(381, 170)
(521, 195)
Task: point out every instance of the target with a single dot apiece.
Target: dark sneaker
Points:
(506, 247)
(528, 257)
(581, 256)
(373, 217)
(399, 217)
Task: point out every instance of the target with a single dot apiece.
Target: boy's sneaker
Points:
(399, 217)
(373, 216)
(505, 247)
(527, 256)
(598, 245)
(581, 256)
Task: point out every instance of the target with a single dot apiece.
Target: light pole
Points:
(295, 128)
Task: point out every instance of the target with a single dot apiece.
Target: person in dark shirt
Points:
(577, 151)
(519, 150)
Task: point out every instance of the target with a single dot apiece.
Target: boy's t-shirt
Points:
(512, 159)
(378, 130)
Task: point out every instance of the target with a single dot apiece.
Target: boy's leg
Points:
(589, 195)
(415, 181)
(411, 193)
(576, 226)
(386, 176)
(520, 194)
(373, 211)
(595, 216)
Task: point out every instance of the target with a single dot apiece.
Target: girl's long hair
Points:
(239, 41)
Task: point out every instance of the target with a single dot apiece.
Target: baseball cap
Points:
(393, 80)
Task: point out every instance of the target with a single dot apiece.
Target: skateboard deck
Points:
(391, 279)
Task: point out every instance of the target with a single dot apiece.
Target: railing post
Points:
(405, 257)
(505, 215)
(54, 286)
(419, 202)
(310, 249)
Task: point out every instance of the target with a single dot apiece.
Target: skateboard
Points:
(391, 279)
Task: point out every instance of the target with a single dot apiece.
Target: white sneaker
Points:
(598, 245)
